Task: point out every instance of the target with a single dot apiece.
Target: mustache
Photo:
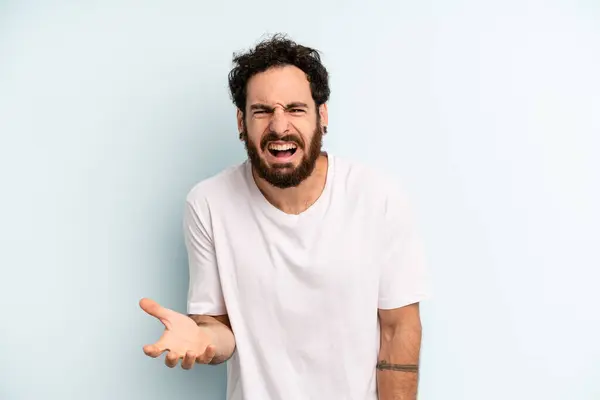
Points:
(273, 137)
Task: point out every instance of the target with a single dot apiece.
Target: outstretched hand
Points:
(181, 339)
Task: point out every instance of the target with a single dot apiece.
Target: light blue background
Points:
(488, 111)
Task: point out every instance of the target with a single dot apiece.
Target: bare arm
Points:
(398, 362)
(220, 330)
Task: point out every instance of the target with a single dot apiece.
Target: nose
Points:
(279, 122)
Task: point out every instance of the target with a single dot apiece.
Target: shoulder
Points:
(361, 180)
(218, 188)
(375, 192)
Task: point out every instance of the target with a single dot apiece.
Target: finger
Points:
(207, 356)
(188, 360)
(154, 309)
(171, 359)
(153, 350)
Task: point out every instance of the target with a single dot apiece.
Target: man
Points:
(305, 269)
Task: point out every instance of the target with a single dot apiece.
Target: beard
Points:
(285, 176)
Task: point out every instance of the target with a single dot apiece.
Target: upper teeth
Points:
(282, 147)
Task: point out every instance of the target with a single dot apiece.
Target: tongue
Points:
(283, 154)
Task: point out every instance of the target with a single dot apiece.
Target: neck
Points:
(297, 199)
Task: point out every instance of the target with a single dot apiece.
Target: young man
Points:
(305, 269)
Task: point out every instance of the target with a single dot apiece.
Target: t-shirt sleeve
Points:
(403, 276)
(205, 296)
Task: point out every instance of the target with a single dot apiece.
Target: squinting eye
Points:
(297, 110)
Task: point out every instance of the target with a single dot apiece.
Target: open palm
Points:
(182, 337)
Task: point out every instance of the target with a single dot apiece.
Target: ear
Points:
(240, 123)
(324, 114)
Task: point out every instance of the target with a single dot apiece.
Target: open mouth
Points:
(282, 150)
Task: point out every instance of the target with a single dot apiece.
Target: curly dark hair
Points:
(274, 52)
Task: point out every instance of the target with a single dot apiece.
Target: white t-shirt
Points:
(302, 291)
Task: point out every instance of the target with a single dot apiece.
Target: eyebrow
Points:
(260, 106)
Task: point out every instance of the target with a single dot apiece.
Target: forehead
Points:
(279, 85)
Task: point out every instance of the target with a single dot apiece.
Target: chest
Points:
(328, 265)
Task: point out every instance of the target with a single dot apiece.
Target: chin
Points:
(282, 166)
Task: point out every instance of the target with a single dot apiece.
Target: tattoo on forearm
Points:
(383, 365)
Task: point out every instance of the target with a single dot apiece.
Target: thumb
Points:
(154, 309)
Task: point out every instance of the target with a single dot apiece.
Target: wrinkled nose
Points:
(279, 122)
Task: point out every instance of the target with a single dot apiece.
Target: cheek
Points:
(305, 123)
(304, 127)
(254, 140)
(254, 137)
(308, 132)
(256, 127)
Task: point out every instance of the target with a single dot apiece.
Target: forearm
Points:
(222, 336)
(398, 363)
